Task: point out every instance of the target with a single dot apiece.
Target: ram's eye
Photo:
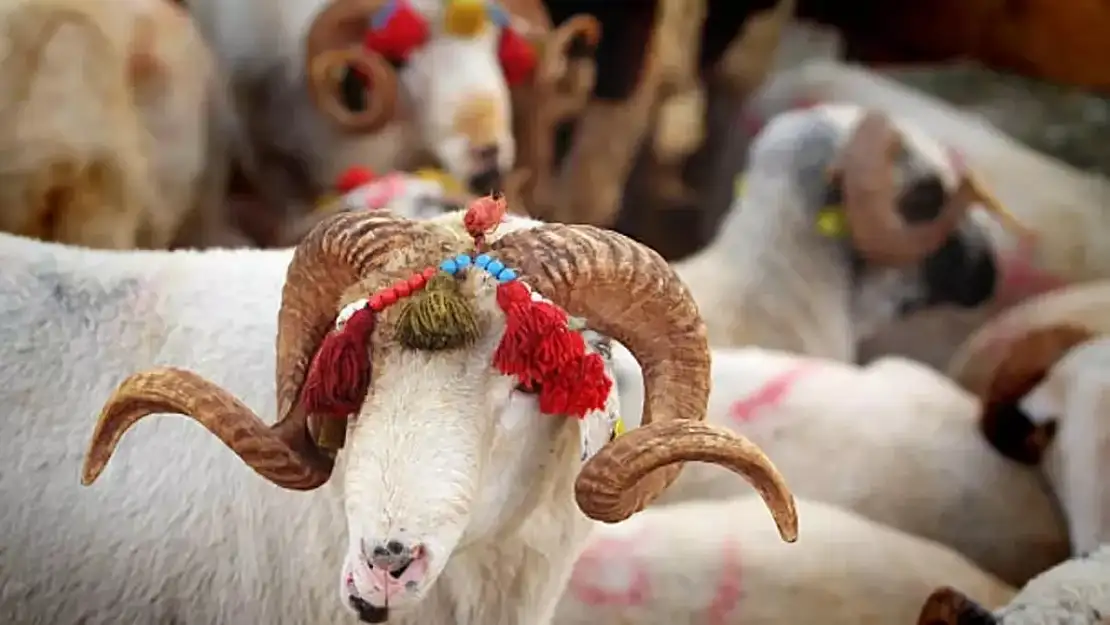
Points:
(352, 88)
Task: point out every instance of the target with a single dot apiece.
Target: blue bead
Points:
(449, 266)
(462, 260)
(482, 260)
(495, 267)
(506, 275)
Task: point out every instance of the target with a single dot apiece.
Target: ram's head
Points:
(453, 64)
(460, 386)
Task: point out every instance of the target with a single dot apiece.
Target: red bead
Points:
(430, 272)
(353, 178)
(417, 282)
(402, 288)
(389, 297)
(376, 303)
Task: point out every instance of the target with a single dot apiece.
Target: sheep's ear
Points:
(948, 606)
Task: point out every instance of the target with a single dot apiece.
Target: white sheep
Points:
(109, 129)
(783, 272)
(714, 563)
(324, 85)
(1041, 371)
(893, 441)
(1076, 592)
(447, 470)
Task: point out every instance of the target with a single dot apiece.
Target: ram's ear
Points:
(948, 606)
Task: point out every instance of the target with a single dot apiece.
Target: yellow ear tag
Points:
(831, 222)
(326, 203)
(445, 180)
(738, 187)
(618, 427)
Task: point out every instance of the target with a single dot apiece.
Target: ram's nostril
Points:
(395, 547)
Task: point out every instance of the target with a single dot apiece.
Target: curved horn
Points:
(333, 42)
(879, 233)
(281, 453)
(334, 256)
(627, 291)
(567, 70)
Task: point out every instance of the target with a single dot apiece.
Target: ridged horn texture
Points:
(879, 232)
(335, 255)
(627, 291)
(333, 42)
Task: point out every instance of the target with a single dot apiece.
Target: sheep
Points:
(904, 445)
(109, 132)
(710, 562)
(471, 462)
(319, 91)
(1076, 592)
(1039, 370)
(783, 273)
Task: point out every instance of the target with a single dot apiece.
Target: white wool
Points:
(720, 563)
(893, 441)
(769, 278)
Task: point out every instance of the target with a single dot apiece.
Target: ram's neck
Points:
(770, 280)
(517, 577)
(123, 312)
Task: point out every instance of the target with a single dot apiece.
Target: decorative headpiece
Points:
(542, 348)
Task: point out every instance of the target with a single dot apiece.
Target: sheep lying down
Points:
(451, 483)
(716, 563)
(1076, 592)
(893, 441)
(1043, 370)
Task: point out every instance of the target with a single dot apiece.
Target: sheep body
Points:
(109, 133)
(716, 562)
(893, 441)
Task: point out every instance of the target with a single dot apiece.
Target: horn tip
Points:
(89, 473)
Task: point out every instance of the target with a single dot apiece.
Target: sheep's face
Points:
(444, 452)
(461, 101)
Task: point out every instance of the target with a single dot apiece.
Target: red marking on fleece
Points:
(609, 573)
(1021, 278)
(729, 592)
(769, 395)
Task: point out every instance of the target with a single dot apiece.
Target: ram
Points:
(1040, 370)
(323, 85)
(108, 133)
(1076, 592)
(847, 219)
(893, 441)
(424, 401)
(710, 562)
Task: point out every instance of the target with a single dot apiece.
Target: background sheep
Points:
(1040, 369)
(1076, 592)
(107, 125)
(123, 564)
(718, 563)
(775, 277)
(893, 441)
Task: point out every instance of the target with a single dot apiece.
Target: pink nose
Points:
(395, 567)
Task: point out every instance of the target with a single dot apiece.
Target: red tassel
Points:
(518, 57)
(353, 178)
(405, 31)
(340, 373)
(483, 215)
(576, 388)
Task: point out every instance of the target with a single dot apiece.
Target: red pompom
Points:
(526, 326)
(555, 350)
(577, 388)
(340, 373)
(518, 57)
(405, 31)
(514, 292)
(483, 215)
(353, 178)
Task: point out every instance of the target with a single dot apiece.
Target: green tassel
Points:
(331, 434)
(437, 318)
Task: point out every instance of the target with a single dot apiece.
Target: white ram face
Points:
(461, 101)
(445, 452)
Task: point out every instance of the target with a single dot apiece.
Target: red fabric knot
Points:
(484, 214)
(340, 372)
(405, 31)
(353, 178)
